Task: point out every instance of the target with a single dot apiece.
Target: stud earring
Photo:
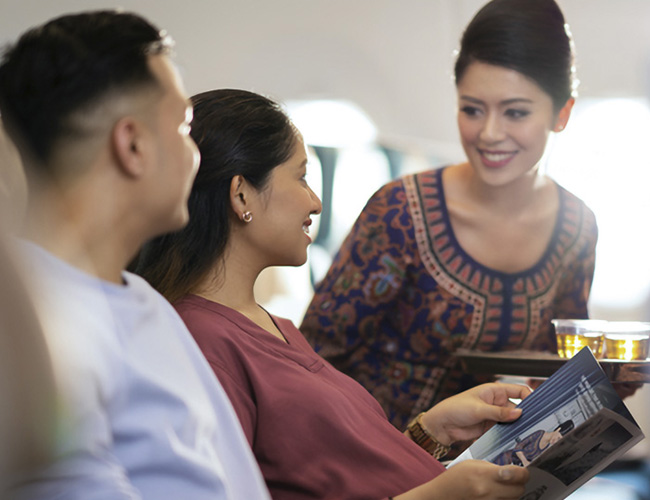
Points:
(247, 216)
(559, 128)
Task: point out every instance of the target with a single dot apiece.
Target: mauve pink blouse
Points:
(316, 433)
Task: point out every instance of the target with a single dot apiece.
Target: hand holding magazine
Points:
(571, 428)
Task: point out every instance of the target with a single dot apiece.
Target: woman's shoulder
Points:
(396, 192)
(576, 208)
(222, 334)
(431, 175)
(576, 229)
(572, 198)
(208, 322)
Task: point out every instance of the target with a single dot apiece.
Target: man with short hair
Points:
(101, 120)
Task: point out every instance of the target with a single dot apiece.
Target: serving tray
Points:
(542, 364)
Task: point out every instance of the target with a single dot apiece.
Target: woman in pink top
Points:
(315, 432)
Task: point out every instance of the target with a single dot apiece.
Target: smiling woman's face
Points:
(504, 120)
(286, 205)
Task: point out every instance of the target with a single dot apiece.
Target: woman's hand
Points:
(469, 414)
(473, 480)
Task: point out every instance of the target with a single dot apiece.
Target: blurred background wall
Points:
(384, 67)
(393, 58)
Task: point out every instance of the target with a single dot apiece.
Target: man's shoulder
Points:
(94, 314)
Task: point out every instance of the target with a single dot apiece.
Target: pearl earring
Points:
(247, 216)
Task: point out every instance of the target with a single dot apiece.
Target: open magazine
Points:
(571, 427)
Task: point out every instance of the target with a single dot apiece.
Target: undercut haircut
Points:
(67, 66)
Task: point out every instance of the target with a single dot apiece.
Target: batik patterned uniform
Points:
(402, 296)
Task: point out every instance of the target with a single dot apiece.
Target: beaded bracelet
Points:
(425, 439)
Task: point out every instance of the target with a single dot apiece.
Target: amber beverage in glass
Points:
(574, 334)
(627, 340)
(569, 344)
(627, 347)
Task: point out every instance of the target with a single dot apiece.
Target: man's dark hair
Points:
(67, 65)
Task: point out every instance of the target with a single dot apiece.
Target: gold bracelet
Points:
(425, 439)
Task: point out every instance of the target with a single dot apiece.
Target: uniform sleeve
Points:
(575, 284)
(365, 279)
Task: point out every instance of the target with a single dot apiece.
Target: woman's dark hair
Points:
(528, 36)
(565, 427)
(238, 133)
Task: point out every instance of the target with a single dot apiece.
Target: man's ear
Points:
(563, 115)
(127, 139)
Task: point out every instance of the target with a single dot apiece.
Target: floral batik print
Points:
(402, 296)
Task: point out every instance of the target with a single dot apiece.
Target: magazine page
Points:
(580, 455)
(558, 420)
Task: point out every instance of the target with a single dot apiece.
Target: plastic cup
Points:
(574, 334)
(627, 340)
